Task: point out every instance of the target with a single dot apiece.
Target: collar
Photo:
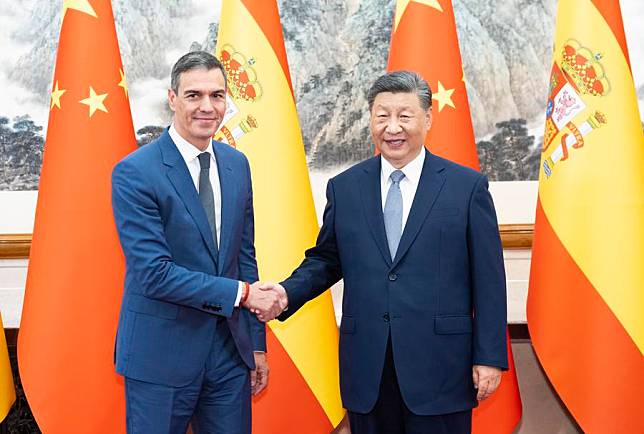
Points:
(412, 170)
(187, 150)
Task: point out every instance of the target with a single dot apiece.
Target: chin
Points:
(204, 134)
(396, 154)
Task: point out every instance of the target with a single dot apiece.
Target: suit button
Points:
(393, 277)
(386, 317)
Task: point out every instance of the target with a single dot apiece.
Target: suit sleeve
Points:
(248, 267)
(321, 266)
(487, 275)
(148, 258)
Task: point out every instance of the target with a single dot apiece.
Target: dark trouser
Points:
(216, 402)
(390, 415)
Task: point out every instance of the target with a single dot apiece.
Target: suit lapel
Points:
(229, 186)
(372, 204)
(429, 187)
(179, 176)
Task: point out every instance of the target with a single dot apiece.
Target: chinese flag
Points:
(586, 295)
(76, 268)
(424, 40)
(303, 395)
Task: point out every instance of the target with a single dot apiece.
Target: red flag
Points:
(424, 40)
(76, 268)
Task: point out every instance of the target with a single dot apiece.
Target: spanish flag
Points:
(76, 267)
(303, 395)
(7, 391)
(586, 295)
(424, 40)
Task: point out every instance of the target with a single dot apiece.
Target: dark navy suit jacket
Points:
(442, 298)
(175, 285)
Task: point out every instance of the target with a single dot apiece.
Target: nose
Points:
(393, 126)
(205, 105)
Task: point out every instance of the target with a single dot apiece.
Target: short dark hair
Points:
(194, 60)
(402, 82)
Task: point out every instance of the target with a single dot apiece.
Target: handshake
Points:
(266, 300)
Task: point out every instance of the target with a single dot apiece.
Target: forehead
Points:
(398, 100)
(201, 79)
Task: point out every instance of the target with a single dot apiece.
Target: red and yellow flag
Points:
(262, 122)
(76, 268)
(586, 294)
(424, 39)
(7, 390)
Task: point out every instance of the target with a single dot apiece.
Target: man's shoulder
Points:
(142, 161)
(350, 174)
(455, 170)
(227, 152)
(147, 153)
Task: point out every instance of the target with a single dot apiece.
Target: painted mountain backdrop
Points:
(336, 48)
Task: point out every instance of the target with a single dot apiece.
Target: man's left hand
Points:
(486, 380)
(259, 376)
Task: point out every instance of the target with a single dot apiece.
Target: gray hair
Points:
(402, 82)
(194, 60)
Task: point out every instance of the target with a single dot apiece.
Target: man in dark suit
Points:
(415, 238)
(183, 207)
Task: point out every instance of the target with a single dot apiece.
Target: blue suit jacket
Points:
(442, 298)
(175, 286)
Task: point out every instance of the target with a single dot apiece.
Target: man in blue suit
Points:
(183, 207)
(415, 238)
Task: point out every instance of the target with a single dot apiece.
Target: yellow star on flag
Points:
(55, 96)
(401, 6)
(79, 5)
(94, 101)
(123, 83)
(444, 97)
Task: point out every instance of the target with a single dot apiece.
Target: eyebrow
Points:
(382, 107)
(220, 90)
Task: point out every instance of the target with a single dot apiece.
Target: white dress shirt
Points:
(190, 154)
(408, 185)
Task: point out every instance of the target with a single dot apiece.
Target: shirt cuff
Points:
(240, 290)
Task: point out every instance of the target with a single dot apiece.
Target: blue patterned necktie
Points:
(206, 196)
(393, 212)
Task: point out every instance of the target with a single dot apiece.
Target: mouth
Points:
(397, 143)
(206, 122)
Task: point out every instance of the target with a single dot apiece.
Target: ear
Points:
(428, 118)
(171, 98)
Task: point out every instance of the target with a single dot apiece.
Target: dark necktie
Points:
(206, 196)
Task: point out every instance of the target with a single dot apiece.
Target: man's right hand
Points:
(266, 300)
